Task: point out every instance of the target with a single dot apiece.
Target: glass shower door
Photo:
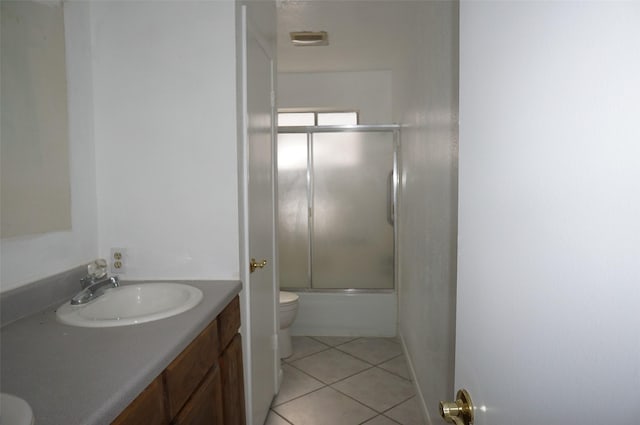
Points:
(335, 200)
(352, 237)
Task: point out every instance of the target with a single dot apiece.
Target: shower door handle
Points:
(390, 203)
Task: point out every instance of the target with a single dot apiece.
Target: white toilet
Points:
(288, 311)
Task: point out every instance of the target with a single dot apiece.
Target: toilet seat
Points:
(288, 298)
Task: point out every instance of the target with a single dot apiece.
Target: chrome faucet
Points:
(93, 287)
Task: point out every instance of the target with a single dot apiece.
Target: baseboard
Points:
(423, 406)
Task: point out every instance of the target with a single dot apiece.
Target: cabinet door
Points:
(205, 406)
(184, 374)
(148, 408)
(233, 383)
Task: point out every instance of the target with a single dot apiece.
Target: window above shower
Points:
(315, 118)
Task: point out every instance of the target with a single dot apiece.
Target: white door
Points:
(259, 151)
(548, 329)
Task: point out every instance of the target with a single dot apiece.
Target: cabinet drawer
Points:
(147, 408)
(205, 406)
(184, 374)
(229, 322)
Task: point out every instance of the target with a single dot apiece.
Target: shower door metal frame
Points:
(362, 128)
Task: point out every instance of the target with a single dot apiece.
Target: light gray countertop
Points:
(72, 375)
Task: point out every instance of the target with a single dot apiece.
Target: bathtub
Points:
(346, 314)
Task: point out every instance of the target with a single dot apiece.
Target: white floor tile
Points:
(324, 407)
(376, 388)
(304, 346)
(372, 350)
(397, 365)
(332, 341)
(274, 419)
(358, 393)
(330, 366)
(294, 384)
(407, 413)
(380, 420)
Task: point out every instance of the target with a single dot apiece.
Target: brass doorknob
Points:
(253, 265)
(459, 412)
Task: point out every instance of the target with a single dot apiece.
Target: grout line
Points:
(328, 347)
(370, 407)
(307, 393)
(391, 419)
(381, 415)
(336, 345)
(308, 374)
(282, 417)
(367, 361)
(350, 376)
(354, 356)
(393, 373)
(330, 385)
(377, 416)
(306, 355)
(370, 365)
(302, 395)
(359, 402)
(374, 364)
(403, 401)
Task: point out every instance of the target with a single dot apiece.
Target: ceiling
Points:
(363, 34)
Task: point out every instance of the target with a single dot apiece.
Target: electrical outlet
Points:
(118, 261)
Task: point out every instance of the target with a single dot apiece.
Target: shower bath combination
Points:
(337, 197)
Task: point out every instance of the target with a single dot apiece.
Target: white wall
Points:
(165, 133)
(368, 92)
(25, 259)
(549, 247)
(425, 103)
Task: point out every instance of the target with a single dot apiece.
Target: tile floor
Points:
(345, 381)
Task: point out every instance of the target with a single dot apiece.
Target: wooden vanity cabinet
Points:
(203, 385)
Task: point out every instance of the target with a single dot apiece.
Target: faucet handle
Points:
(97, 269)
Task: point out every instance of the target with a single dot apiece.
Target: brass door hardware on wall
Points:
(253, 265)
(459, 412)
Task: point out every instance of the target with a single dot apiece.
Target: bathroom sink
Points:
(15, 411)
(131, 305)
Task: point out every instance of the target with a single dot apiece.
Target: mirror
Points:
(34, 148)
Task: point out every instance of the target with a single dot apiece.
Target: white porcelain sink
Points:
(131, 305)
(15, 411)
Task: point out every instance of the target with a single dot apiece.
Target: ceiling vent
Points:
(309, 38)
